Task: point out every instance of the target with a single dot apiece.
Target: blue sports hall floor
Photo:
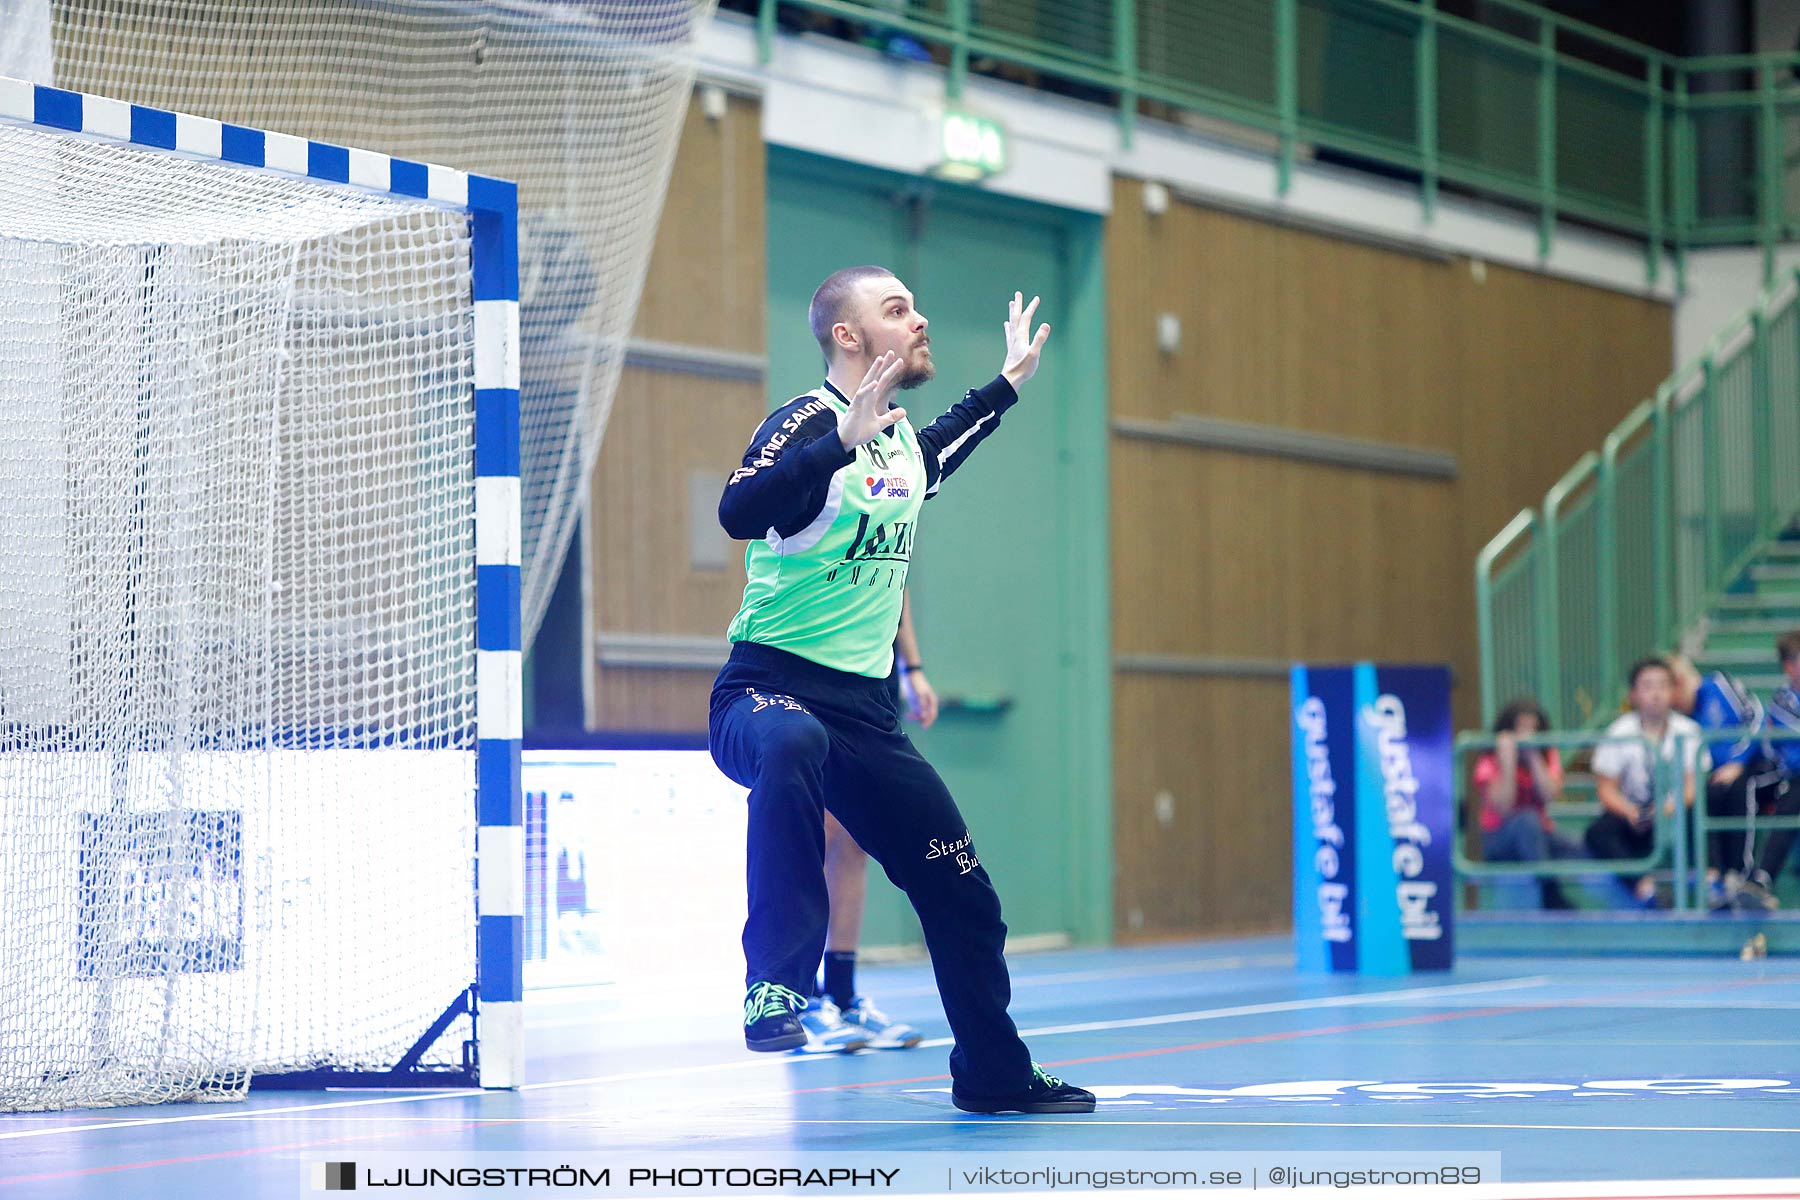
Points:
(1614, 1076)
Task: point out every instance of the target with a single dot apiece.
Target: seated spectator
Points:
(1627, 776)
(1746, 781)
(1516, 785)
(1777, 791)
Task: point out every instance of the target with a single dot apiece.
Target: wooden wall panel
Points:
(1225, 554)
(1235, 555)
(1221, 862)
(1295, 328)
(705, 290)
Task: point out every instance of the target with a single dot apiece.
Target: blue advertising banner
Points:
(1373, 875)
(1410, 727)
(1323, 714)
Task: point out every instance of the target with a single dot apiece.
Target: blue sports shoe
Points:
(883, 1034)
(826, 1030)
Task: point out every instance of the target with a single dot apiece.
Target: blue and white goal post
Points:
(260, 648)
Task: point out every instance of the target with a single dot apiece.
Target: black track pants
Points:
(805, 738)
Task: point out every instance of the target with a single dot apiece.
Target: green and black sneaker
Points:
(772, 1018)
(1045, 1094)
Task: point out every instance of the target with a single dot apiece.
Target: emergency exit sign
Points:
(970, 147)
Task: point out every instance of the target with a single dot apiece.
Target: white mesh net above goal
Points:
(236, 624)
(578, 101)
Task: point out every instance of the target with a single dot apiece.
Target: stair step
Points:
(1746, 603)
(1782, 587)
(1775, 571)
(1773, 626)
(1782, 552)
(1735, 659)
(1751, 635)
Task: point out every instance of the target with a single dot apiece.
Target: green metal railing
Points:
(1561, 117)
(1637, 542)
(1573, 544)
(1506, 609)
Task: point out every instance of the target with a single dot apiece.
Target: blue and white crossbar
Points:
(493, 206)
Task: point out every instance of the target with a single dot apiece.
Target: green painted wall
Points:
(1009, 576)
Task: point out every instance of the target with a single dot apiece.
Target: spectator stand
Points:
(1497, 912)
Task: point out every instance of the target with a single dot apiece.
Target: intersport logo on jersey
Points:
(894, 487)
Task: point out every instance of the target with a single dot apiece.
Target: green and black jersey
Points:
(833, 530)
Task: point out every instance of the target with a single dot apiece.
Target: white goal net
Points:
(580, 102)
(237, 645)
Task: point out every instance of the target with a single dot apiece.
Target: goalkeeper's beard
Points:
(913, 376)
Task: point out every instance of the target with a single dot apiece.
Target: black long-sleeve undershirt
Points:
(787, 470)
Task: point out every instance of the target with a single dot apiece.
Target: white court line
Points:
(1342, 1001)
(1080, 1119)
(1195, 966)
(1641, 1189)
(549, 997)
(1070, 1119)
(466, 1094)
(1059, 979)
(1645, 1189)
(1348, 1000)
(1673, 1189)
(1540, 1042)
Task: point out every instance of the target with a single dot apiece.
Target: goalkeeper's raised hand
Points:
(1022, 349)
(869, 413)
